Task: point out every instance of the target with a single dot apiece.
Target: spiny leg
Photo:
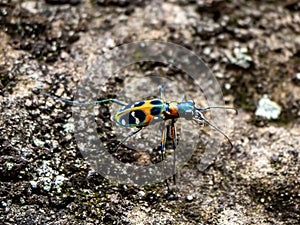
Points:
(163, 146)
(163, 141)
(87, 103)
(130, 134)
(174, 141)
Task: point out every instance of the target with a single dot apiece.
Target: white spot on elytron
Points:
(137, 120)
(123, 122)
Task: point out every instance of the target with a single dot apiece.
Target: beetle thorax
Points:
(173, 109)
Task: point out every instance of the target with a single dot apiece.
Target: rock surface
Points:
(253, 49)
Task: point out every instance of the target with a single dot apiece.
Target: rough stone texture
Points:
(252, 47)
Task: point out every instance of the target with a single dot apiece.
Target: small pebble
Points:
(227, 86)
(9, 165)
(38, 143)
(141, 193)
(33, 184)
(189, 198)
(267, 108)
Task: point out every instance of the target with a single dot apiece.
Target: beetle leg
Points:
(161, 91)
(130, 134)
(182, 98)
(174, 141)
(163, 147)
(163, 141)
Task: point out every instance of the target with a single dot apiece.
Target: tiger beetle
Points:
(140, 114)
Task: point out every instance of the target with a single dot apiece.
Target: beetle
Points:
(139, 115)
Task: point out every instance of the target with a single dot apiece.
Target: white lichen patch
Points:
(58, 182)
(69, 127)
(240, 57)
(267, 108)
(48, 178)
(46, 174)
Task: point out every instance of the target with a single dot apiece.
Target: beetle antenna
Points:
(217, 107)
(201, 117)
(69, 101)
(85, 103)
